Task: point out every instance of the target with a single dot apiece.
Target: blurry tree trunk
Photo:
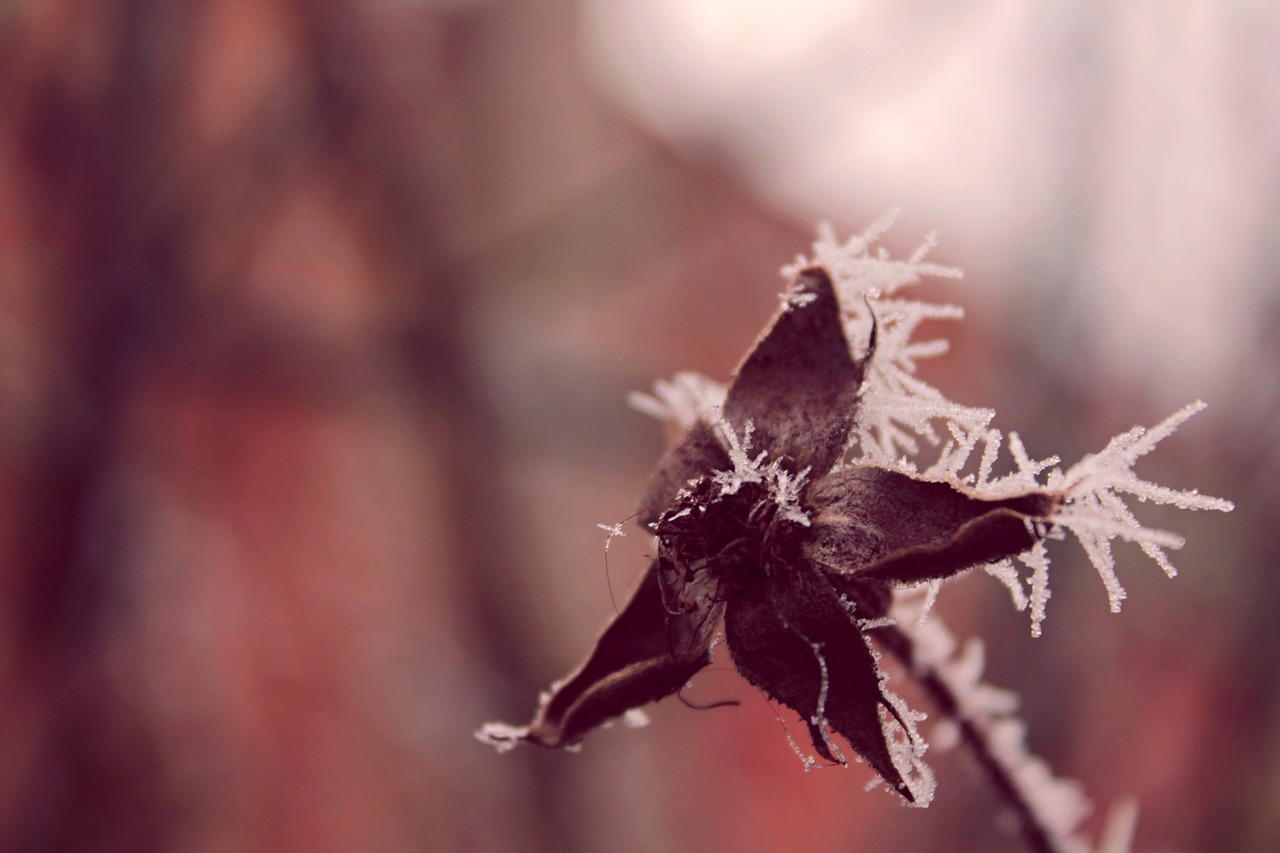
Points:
(161, 228)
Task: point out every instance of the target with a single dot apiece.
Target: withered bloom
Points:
(763, 529)
(792, 505)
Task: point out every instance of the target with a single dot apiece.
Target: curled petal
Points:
(790, 635)
(798, 385)
(890, 526)
(644, 655)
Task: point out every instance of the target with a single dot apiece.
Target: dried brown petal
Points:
(890, 526)
(799, 384)
(644, 655)
(790, 635)
(697, 454)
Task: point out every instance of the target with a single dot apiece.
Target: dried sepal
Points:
(792, 636)
(645, 654)
(798, 385)
(891, 526)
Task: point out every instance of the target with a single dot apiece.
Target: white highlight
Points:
(501, 736)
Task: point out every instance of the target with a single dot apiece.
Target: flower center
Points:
(712, 541)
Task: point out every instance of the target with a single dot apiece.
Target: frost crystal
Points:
(614, 530)
(1096, 514)
(682, 400)
(781, 483)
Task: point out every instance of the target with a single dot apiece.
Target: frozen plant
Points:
(797, 516)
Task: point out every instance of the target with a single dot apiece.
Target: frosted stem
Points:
(1037, 834)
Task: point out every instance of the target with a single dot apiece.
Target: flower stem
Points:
(1039, 837)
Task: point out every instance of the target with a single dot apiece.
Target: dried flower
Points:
(786, 512)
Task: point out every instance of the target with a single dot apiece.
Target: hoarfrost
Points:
(1057, 805)
(806, 760)
(682, 400)
(899, 415)
(501, 736)
(635, 718)
(1005, 572)
(897, 411)
(1096, 514)
(907, 747)
(819, 718)
(614, 531)
(784, 486)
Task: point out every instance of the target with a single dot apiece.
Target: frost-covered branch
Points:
(1048, 809)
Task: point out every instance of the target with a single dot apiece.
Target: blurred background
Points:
(317, 319)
